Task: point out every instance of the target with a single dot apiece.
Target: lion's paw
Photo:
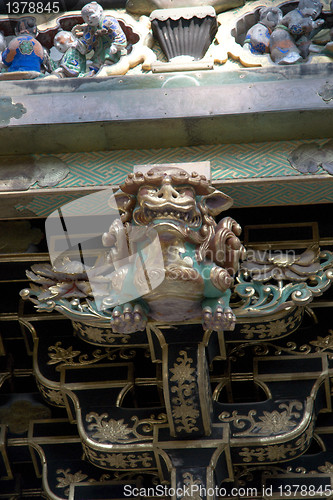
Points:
(128, 319)
(222, 318)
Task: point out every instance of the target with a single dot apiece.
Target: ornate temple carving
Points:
(192, 281)
(157, 345)
(98, 42)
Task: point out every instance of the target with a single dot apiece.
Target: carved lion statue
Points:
(164, 259)
(199, 257)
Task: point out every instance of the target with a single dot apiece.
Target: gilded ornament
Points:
(279, 452)
(273, 453)
(269, 423)
(327, 468)
(55, 397)
(320, 345)
(273, 423)
(120, 460)
(116, 431)
(183, 371)
(95, 334)
(184, 409)
(100, 335)
(61, 356)
(265, 265)
(111, 430)
(68, 479)
(52, 396)
(276, 328)
(323, 343)
(259, 298)
(191, 484)
(73, 478)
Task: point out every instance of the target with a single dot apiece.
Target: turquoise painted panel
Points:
(238, 162)
(231, 161)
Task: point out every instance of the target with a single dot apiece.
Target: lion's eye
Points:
(185, 192)
(144, 191)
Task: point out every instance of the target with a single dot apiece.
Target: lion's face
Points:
(167, 203)
(173, 202)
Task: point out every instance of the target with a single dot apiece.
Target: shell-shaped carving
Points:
(184, 32)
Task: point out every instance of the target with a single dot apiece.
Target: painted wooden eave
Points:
(171, 110)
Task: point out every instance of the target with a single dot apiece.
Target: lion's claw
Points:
(128, 319)
(221, 319)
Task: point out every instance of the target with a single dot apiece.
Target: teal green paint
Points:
(204, 270)
(9, 110)
(223, 300)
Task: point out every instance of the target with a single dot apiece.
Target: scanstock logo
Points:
(87, 237)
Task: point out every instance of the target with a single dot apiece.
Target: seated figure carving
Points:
(101, 34)
(200, 257)
(72, 63)
(24, 52)
(287, 38)
(258, 36)
(290, 41)
(2, 47)
(327, 50)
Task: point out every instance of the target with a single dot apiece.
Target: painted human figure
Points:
(327, 50)
(258, 36)
(2, 47)
(290, 41)
(24, 53)
(72, 63)
(102, 34)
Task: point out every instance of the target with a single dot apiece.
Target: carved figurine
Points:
(200, 257)
(258, 36)
(72, 63)
(167, 260)
(290, 41)
(102, 34)
(327, 50)
(24, 53)
(2, 47)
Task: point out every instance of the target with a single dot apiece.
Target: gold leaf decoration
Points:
(268, 424)
(189, 482)
(61, 356)
(69, 478)
(273, 329)
(116, 431)
(184, 409)
(120, 460)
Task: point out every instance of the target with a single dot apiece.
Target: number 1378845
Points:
(32, 7)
